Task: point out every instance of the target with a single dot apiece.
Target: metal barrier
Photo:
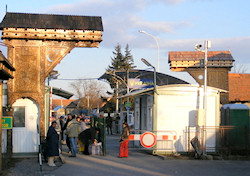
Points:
(215, 139)
(158, 141)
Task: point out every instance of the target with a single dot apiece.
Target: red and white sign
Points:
(148, 139)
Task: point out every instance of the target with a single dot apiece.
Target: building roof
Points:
(61, 102)
(161, 79)
(172, 88)
(198, 55)
(239, 87)
(48, 21)
(58, 107)
(62, 93)
(5, 68)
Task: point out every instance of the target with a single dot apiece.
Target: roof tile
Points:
(239, 87)
(47, 21)
(197, 55)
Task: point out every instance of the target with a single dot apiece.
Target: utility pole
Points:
(198, 47)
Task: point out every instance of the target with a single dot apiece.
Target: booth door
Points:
(25, 118)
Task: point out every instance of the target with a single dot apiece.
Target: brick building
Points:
(239, 88)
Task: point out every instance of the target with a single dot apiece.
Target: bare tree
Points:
(239, 68)
(88, 93)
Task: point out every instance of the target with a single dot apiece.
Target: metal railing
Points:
(224, 140)
(158, 141)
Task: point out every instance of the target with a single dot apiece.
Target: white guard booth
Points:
(25, 123)
(170, 112)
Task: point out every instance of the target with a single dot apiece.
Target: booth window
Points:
(19, 117)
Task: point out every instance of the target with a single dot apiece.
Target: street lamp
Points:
(125, 83)
(198, 47)
(155, 91)
(150, 65)
(158, 50)
(53, 75)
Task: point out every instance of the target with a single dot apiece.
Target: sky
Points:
(177, 25)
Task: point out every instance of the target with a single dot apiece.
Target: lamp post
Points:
(52, 75)
(125, 83)
(155, 92)
(198, 47)
(158, 49)
(149, 65)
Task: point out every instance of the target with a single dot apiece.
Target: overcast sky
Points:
(176, 24)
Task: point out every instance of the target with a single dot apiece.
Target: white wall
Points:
(177, 109)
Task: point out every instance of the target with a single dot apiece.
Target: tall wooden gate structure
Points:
(37, 43)
(219, 64)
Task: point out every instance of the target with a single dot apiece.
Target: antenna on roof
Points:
(6, 8)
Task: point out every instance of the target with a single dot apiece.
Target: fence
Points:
(224, 140)
(157, 141)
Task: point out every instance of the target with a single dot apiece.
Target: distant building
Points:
(59, 106)
(239, 88)
(218, 65)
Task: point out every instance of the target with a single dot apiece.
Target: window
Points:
(19, 117)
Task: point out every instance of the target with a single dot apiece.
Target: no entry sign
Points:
(148, 139)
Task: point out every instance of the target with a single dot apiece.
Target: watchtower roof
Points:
(48, 21)
(181, 60)
(197, 55)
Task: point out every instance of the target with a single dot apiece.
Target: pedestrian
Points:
(73, 130)
(82, 124)
(58, 130)
(64, 129)
(83, 127)
(109, 122)
(124, 140)
(52, 144)
(89, 136)
(117, 119)
(62, 125)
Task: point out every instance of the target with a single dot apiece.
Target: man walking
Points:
(109, 122)
(73, 129)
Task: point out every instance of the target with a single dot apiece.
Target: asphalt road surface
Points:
(143, 164)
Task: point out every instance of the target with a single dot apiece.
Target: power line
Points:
(74, 79)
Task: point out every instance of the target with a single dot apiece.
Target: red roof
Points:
(239, 87)
(197, 55)
(61, 102)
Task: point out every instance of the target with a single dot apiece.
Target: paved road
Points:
(143, 164)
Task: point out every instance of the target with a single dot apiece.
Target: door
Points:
(25, 119)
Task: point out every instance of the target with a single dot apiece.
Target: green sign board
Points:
(7, 123)
(127, 104)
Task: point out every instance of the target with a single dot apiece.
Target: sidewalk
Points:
(31, 167)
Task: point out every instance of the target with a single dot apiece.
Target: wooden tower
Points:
(38, 42)
(219, 64)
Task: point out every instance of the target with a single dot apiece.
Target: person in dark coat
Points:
(64, 129)
(109, 122)
(52, 144)
(62, 125)
(87, 137)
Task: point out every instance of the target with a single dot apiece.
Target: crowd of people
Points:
(75, 130)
